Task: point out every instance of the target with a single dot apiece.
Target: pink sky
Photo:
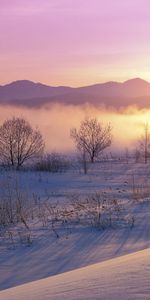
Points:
(74, 42)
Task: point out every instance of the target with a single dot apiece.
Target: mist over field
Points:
(56, 120)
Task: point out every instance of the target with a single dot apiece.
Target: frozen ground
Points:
(82, 246)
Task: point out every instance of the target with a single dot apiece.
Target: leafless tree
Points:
(127, 155)
(144, 143)
(19, 142)
(137, 155)
(82, 159)
(92, 137)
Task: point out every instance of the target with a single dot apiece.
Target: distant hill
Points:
(27, 93)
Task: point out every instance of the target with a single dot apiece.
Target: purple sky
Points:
(74, 42)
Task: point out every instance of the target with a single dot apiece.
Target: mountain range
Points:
(113, 94)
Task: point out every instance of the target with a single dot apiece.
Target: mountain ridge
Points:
(111, 93)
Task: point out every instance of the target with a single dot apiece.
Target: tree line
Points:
(20, 143)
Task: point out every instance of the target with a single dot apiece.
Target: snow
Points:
(120, 256)
(125, 277)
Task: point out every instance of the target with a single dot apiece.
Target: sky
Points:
(74, 42)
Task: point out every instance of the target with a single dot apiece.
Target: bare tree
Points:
(19, 142)
(144, 143)
(83, 161)
(92, 137)
(127, 155)
(137, 155)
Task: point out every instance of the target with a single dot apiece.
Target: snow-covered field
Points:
(115, 274)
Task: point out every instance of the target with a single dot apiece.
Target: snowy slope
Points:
(48, 256)
(126, 277)
(83, 246)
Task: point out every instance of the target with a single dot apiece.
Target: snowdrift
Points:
(125, 277)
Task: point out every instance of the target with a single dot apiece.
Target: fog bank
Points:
(55, 122)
